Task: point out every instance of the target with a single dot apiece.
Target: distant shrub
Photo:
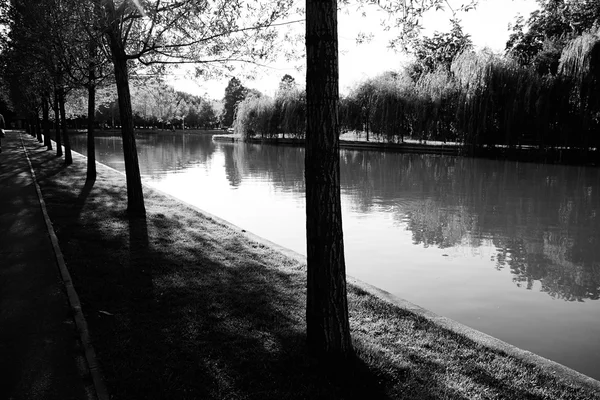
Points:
(486, 99)
(483, 100)
(268, 117)
(291, 118)
(253, 116)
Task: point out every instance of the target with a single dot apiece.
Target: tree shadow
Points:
(183, 315)
(180, 307)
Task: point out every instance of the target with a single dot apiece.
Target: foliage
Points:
(287, 83)
(580, 67)
(483, 101)
(254, 116)
(154, 104)
(540, 39)
(380, 106)
(26, 58)
(405, 16)
(268, 117)
(235, 92)
(291, 112)
(197, 32)
(440, 50)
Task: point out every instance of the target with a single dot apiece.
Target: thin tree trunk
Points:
(63, 123)
(38, 129)
(328, 330)
(91, 145)
(46, 122)
(135, 195)
(31, 127)
(367, 118)
(59, 151)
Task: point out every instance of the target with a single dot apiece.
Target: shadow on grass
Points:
(180, 307)
(177, 311)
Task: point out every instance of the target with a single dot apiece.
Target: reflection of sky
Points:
(255, 205)
(459, 245)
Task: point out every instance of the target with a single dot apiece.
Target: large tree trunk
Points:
(63, 123)
(46, 122)
(135, 195)
(328, 330)
(59, 151)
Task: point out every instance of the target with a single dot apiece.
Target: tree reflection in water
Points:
(542, 219)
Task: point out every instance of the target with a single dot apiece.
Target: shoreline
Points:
(520, 154)
(446, 149)
(546, 366)
(477, 336)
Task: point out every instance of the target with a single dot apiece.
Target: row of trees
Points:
(54, 46)
(543, 92)
(154, 104)
(269, 117)
(485, 99)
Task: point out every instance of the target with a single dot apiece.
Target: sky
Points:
(487, 25)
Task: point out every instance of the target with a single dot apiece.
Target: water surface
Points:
(511, 249)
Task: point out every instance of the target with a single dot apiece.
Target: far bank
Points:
(551, 155)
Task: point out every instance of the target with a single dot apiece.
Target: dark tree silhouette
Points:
(287, 83)
(235, 92)
(328, 330)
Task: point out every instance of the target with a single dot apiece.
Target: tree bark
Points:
(31, 127)
(38, 129)
(63, 123)
(91, 145)
(135, 195)
(59, 151)
(46, 122)
(328, 330)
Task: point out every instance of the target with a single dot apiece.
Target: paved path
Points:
(41, 356)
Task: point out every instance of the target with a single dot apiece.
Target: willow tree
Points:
(144, 33)
(540, 39)
(328, 330)
(580, 62)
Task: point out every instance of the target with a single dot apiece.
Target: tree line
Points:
(153, 104)
(543, 93)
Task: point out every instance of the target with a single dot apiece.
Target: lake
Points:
(510, 249)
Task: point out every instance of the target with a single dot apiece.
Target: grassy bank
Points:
(181, 306)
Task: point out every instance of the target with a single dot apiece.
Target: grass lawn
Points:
(180, 306)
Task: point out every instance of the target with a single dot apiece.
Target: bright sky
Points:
(487, 25)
